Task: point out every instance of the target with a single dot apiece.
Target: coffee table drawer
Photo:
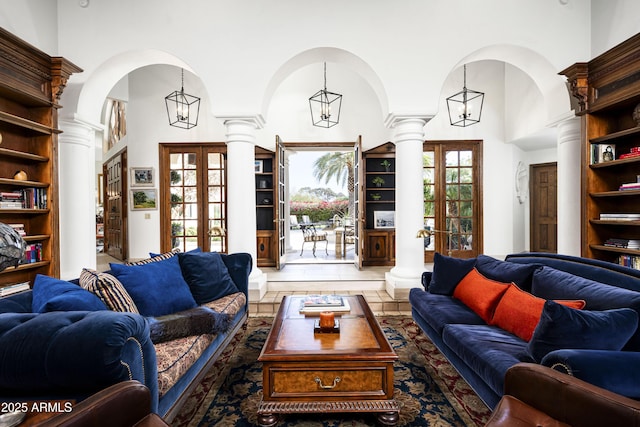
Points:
(371, 382)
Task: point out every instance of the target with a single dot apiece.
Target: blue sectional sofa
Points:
(58, 342)
(574, 314)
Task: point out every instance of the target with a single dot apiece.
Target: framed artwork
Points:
(99, 229)
(144, 199)
(142, 177)
(384, 219)
(258, 166)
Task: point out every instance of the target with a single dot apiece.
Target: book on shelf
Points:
(620, 216)
(631, 261)
(14, 289)
(19, 228)
(622, 243)
(630, 186)
(319, 303)
(28, 198)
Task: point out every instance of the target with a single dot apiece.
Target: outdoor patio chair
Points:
(310, 234)
(306, 219)
(293, 221)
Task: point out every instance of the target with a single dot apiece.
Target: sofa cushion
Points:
(562, 327)
(480, 294)
(487, 350)
(109, 289)
(157, 288)
(552, 284)
(206, 275)
(519, 312)
(447, 273)
(440, 310)
(50, 294)
(507, 272)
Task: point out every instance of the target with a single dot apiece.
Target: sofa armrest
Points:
(239, 266)
(124, 404)
(74, 353)
(616, 371)
(426, 279)
(568, 399)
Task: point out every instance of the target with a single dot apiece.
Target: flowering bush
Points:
(319, 211)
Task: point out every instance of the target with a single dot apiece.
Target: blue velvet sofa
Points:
(599, 343)
(65, 352)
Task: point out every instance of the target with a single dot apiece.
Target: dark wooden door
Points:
(115, 206)
(544, 207)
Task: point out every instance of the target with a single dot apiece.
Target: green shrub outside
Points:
(319, 211)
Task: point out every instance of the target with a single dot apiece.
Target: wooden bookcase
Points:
(266, 238)
(31, 83)
(379, 199)
(608, 91)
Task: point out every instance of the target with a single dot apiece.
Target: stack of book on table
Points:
(319, 303)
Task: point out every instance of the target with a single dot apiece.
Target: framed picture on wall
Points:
(141, 177)
(384, 219)
(144, 199)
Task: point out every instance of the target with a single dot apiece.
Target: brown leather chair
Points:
(124, 404)
(536, 395)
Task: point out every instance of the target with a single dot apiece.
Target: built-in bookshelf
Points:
(266, 239)
(31, 83)
(608, 92)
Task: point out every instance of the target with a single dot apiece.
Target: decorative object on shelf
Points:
(636, 116)
(427, 232)
(258, 166)
(266, 201)
(465, 107)
(263, 184)
(375, 196)
(386, 164)
(378, 181)
(141, 177)
(0, 137)
(12, 246)
(182, 109)
(20, 176)
(216, 231)
(384, 219)
(322, 103)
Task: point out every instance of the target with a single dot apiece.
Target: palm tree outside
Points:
(338, 166)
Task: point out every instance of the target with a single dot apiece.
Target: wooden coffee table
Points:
(307, 372)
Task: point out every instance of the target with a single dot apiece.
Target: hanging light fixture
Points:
(325, 106)
(465, 107)
(182, 109)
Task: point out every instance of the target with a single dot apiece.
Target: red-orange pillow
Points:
(480, 294)
(519, 312)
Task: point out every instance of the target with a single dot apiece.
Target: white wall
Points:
(612, 22)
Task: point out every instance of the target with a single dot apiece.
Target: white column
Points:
(77, 206)
(241, 201)
(569, 149)
(409, 137)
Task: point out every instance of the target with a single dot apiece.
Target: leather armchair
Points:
(536, 395)
(124, 404)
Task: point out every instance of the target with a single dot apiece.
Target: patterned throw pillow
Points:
(108, 289)
(155, 258)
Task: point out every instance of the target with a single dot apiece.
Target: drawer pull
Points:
(336, 380)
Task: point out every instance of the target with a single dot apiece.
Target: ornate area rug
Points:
(428, 389)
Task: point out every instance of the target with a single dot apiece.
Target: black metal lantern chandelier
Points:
(465, 107)
(182, 109)
(325, 106)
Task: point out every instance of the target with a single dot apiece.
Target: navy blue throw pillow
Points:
(506, 272)
(561, 327)
(157, 288)
(447, 273)
(50, 294)
(207, 276)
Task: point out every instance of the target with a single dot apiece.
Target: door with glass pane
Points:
(193, 197)
(452, 191)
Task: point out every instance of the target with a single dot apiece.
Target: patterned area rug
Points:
(428, 389)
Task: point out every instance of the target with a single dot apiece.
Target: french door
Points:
(193, 200)
(452, 184)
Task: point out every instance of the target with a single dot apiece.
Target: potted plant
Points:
(377, 181)
(376, 196)
(386, 164)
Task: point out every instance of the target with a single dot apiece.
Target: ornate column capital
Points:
(394, 119)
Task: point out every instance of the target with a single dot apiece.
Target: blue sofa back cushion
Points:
(157, 288)
(447, 273)
(507, 272)
(207, 276)
(552, 284)
(50, 294)
(561, 327)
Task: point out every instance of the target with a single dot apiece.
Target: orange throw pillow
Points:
(519, 312)
(480, 294)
